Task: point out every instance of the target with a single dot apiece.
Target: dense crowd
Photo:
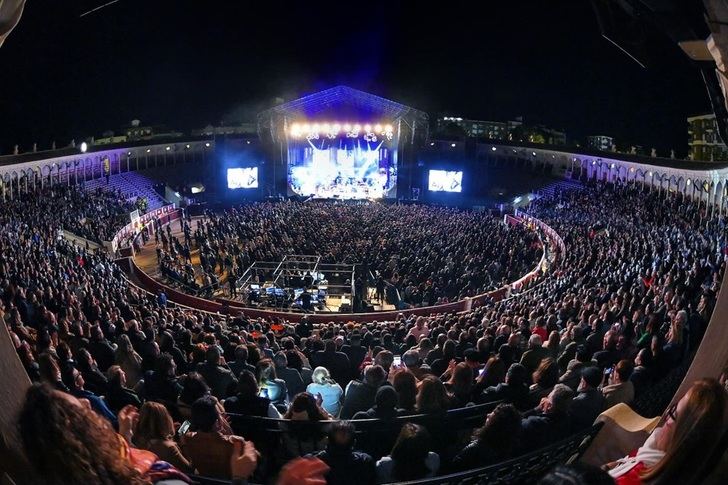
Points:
(158, 392)
(428, 254)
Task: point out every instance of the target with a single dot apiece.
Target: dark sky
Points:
(187, 63)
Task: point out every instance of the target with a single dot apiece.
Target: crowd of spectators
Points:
(421, 255)
(626, 304)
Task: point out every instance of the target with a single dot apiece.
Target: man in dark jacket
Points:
(336, 362)
(356, 354)
(217, 377)
(101, 349)
(534, 355)
(513, 391)
(346, 466)
(589, 402)
(360, 395)
(550, 421)
(292, 378)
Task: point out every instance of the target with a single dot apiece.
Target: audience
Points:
(329, 391)
(410, 458)
(628, 292)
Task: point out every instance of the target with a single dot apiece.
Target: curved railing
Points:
(224, 305)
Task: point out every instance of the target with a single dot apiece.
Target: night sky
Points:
(188, 63)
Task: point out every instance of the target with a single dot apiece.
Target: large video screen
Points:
(445, 181)
(343, 167)
(242, 178)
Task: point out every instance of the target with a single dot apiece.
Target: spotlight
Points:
(368, 128)
(493, 148)
(187, 146)
(168, 148)
(533, 153)
(336, 128)
(128, 154)
(326, 127)
(650, 174)
(347, 127)
(357, 128)
(207, 144)
(432, 144)
(378, 128)
(84, 147)
(248, 142)
(612, 166)
(688, 182)
(388, 128)
(149, 150)
(453, 145)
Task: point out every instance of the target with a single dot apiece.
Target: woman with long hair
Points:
(67, 443)
(405, 384)
(155, 432)
(493, 374)
(681, 449)
(432, 397)
(545, 378)
(128, 359)
(410, 459)
(270, 386)
(460, 385)
(304, 433)
(494, 442)
(331, 393)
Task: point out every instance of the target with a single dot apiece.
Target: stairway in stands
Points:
(560, 187)
(131, 185)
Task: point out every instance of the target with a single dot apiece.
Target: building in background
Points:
(704, 139)
(601, 142)
(513, 130)
(233, 129)
(138, 132)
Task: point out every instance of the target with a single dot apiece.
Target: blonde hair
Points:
(321, 376)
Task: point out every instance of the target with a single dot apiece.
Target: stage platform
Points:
(146, 260)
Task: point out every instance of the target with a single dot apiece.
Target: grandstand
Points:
(349, 300)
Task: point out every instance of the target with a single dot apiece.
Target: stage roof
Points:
(341, 103)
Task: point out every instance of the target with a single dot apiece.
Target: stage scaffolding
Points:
(332, 280)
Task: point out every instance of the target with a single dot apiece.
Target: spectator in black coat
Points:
(550, 421)
(336, 362)
(643, 375)
(96, 381)
(119, 395)
(101, 349)
(292, 378)
(356, 354)
(360, 395)
(494, 442)
(220, 379)
(241, 361)
(161, 384)
(589, 401)
(346, 466)
(513, 390)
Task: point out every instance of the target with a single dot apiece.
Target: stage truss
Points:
(278, 284)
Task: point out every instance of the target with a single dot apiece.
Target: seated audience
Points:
(346, 466)
(494, 442)
(680, 450)
(410, 459)
(323, 385)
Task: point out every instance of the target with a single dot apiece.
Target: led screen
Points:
(343, 167)
(445, 181)
(242, 178)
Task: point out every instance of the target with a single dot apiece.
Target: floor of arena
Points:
(146, 260)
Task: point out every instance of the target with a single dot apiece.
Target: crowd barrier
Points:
(123, 240)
